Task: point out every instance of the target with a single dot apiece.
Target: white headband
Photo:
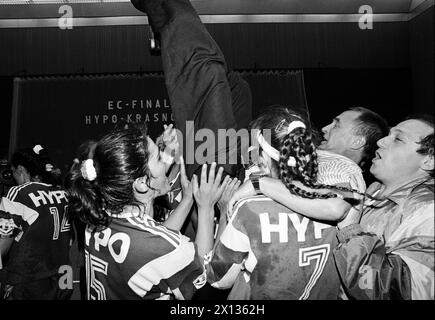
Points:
(294, 125)
(271, 151)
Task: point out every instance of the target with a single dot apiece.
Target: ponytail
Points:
(100, 182)
(86, 201)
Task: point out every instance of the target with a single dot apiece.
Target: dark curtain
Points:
(422, 51)
(269, 88)
(61, 112)
(115, 49)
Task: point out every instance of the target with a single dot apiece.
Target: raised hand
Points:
(227, 195)
(186, 185)
(210, 190)
(170, 139)
(168, 144)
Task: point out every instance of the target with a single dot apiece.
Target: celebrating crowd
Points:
(299, 223)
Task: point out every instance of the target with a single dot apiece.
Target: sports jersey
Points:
(36, 216)
(270, 252)
(172, 199)
(138, 258)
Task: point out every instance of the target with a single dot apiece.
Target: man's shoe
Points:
(158, 16)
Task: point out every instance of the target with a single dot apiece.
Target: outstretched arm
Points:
(332, 209)
(176, 220)
(206, 195)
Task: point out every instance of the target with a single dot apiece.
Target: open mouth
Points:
(378, 156)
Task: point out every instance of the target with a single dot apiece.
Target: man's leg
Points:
(195, 75)
(241, 97)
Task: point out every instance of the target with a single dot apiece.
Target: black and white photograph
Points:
(221, 152)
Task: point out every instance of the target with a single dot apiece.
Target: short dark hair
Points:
(372, 127)
(38, 165)
(426, 143)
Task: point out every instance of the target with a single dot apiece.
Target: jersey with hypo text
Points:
(268, 251)
(138, 258)
(36, 216)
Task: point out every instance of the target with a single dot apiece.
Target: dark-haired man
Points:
(348, 146)
(389, 254)
(354, 134)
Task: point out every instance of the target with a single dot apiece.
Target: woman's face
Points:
(157, 167)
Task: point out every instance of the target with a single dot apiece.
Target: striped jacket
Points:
(337, 169)
(390, 254)
(138, 258)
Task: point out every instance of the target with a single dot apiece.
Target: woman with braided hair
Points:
(313, 174)
(268, 251)
(300, 164)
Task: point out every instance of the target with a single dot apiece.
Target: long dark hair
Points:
(299, 147)
(37, 162)
(119, 158)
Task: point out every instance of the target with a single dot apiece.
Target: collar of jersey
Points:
(124, 214)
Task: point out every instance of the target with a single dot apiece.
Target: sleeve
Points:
(15, 218)
(404, 268)
(178, 271)
(229, 253)
(413, 241)
(340, 172)
(9, 227)
(367, 269)
(357, 182)
(191, 278)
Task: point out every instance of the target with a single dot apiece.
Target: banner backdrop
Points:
(60, 113)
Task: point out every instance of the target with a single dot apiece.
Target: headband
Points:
(271, 151)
